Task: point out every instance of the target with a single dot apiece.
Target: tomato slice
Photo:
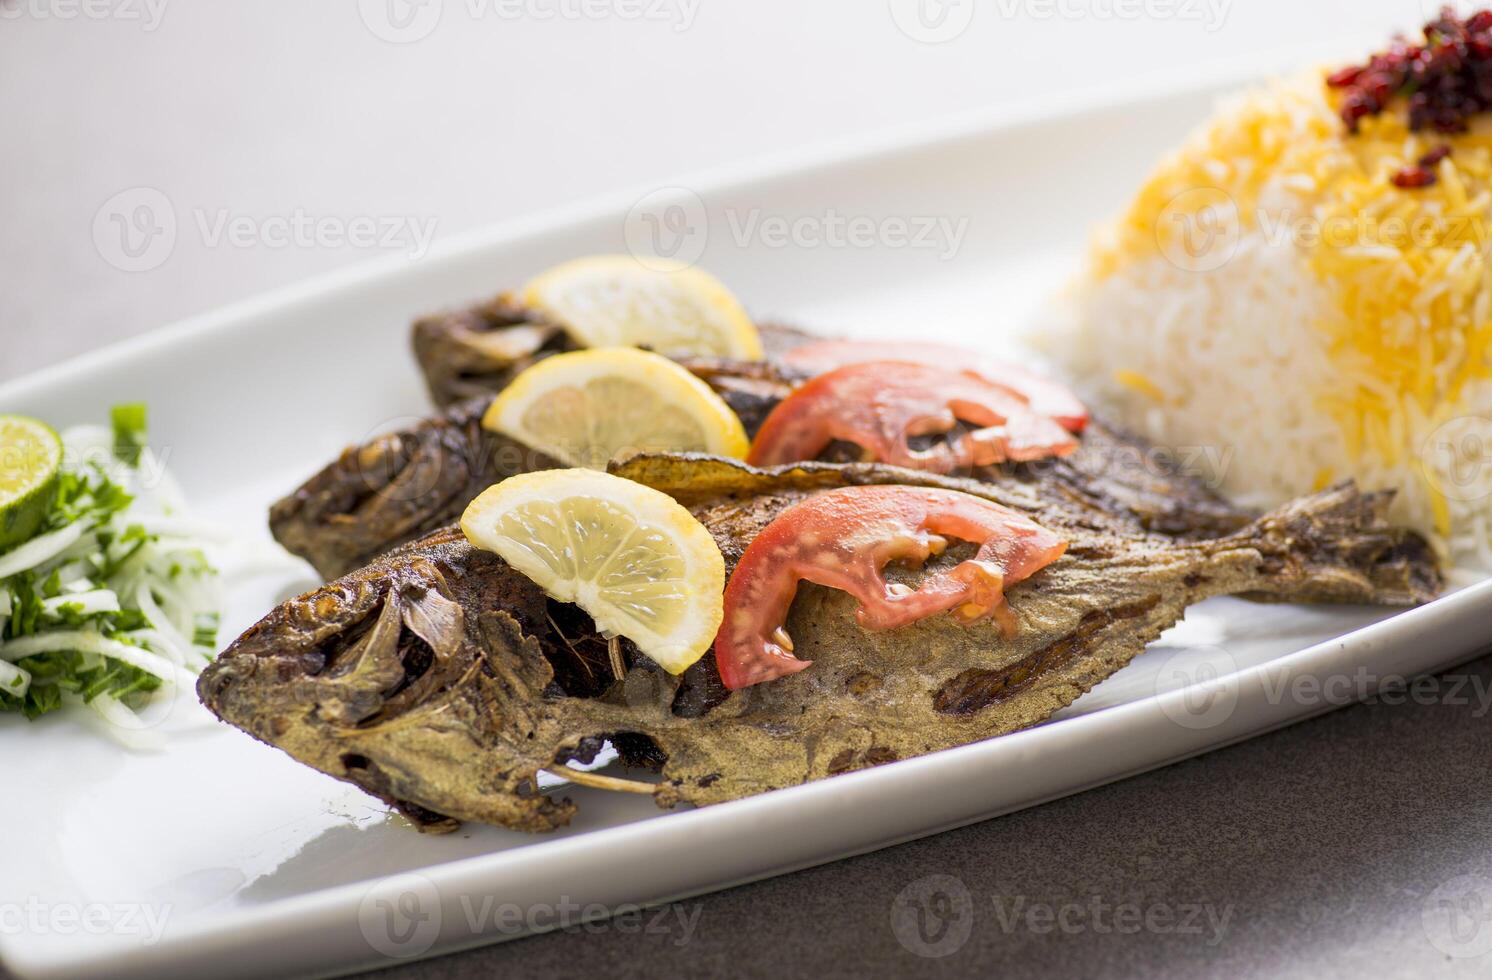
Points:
(880, 405)
(1045, 396)
(843, 538)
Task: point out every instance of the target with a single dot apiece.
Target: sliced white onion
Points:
(92, 603)
(157, 641)
(126, 727)
(74, 578)
(14, 680)
(39, 549)
(89, 641)
(181, 647)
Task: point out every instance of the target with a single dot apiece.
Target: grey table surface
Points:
(1353, 844)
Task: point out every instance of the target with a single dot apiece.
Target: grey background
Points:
(257, 109)
(1323, 845)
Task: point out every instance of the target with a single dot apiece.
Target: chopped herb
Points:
(205, 633)
(129, 431)
(26, 605)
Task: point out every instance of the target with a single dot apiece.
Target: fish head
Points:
(413, 679)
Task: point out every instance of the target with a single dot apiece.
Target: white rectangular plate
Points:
(257, 865)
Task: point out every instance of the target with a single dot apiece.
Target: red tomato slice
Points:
(1045, 396)
(843, 538)
(879, 405)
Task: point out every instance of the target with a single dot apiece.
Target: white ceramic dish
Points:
(247, 863)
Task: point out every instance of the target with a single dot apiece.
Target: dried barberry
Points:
(1412, 177)
(1447, 78)
(1430, 159)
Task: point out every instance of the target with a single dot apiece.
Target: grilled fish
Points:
(442, 681)
(408, 483)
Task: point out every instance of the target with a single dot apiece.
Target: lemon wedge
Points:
(588, 407)
(30, 460)
(616, 301)
(629, 555)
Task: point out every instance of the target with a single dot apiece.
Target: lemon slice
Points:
(629, 555)
(616, 301)
(587, 407)
(30, 459)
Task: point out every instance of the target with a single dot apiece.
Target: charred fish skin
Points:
(1116, 472)
(397, 488)
(751, 388)
(430, 679)
(477, 351)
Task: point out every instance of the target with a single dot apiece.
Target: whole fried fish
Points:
(442, 681)
(405, 484)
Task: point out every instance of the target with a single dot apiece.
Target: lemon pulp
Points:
(615, 300)
(589, 407)
(639, 563)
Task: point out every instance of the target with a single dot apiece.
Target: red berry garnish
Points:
(1435, 156)
(1344, 77)
(1448, 77)
(1412, 177)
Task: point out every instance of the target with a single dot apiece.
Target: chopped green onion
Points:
(129, 432)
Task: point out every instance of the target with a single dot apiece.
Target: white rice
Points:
(1241, 363)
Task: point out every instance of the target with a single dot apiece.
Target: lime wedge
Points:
(30, 458)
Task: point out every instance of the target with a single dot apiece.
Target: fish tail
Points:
(1337, 546)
